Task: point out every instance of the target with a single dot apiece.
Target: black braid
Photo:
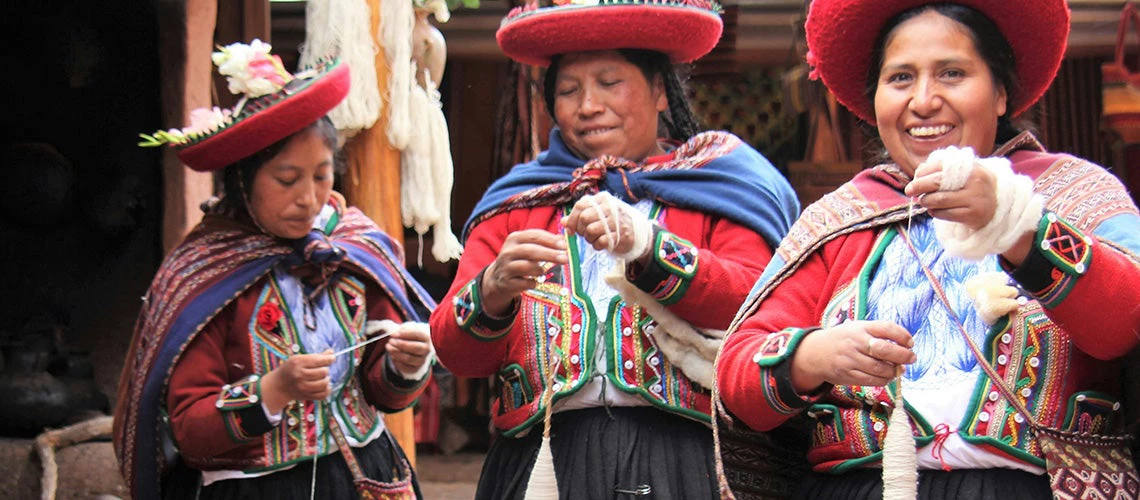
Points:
(679, 120)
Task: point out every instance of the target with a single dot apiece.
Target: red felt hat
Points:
(841, 35)
(684, 30)
(275, 105)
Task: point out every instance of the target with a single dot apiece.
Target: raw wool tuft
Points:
(344, 28)
(399, 19)
(993, 296)
(900, 463)
(692, 350)
(1018, 209)
(427, 174)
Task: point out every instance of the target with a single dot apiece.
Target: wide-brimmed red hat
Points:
(684, 30)
(841, 35)
(275, 105)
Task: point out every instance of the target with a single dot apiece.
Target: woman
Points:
(679, 225)
(969, 230)
(252, 366)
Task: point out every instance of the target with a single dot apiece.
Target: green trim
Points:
(332, 223)
(295, 338)
(477, 310)
(798, 334)
(1072, 404)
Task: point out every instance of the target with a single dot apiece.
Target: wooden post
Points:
(189, 32)
(372, 184)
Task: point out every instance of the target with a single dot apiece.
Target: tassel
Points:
(900, 469)
(543, 482)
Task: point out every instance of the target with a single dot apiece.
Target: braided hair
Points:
(678, 122)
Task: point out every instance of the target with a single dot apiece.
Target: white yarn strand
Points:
(399, 19)
(343, 28)
(900, 462)
(445, 245)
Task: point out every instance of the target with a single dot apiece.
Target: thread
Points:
(900, 463)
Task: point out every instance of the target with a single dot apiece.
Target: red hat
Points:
(841, 35)
(684, 30)
(275, 105)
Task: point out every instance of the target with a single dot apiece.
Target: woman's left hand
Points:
(410, 348)
(972, 205)
(604, 223)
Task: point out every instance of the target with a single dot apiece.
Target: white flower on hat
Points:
(251, 69)
(205, 120)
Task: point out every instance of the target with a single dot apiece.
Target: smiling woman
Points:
(595, 279)
(966, 271)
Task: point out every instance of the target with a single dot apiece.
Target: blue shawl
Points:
(714, 173)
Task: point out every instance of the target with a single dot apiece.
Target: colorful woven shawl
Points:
(714, 172)
(217, 261)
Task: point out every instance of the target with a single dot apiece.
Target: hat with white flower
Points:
(274, 104)
(684, 30)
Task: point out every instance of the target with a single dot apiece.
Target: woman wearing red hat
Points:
(252, 372)
(970, 253)
(596, 280)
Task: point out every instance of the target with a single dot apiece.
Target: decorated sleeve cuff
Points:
(776, 373)
(470, 316)
(240, 404)
(671, 267)
(1059, 256)
(401, 383)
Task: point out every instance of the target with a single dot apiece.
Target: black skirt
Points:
(334, 480)
(625, 453)
(973, 484)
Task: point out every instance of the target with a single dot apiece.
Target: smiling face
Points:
(935, 90)
(604, 105)
(290, 189)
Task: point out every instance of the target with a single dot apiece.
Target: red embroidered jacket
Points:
(702, 269)
(229, 430)
(1055, 351)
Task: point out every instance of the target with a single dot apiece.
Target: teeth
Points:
(596, 131)
(928, 131)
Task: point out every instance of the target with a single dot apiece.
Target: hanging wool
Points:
(543, 482)
(427, 173)
(900, 464)
(399, 19)
(445, 245)
(343, 28)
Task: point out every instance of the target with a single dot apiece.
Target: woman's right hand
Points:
(853, 353)
(303, 377)
(525, 255)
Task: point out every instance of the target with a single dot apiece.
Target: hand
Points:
(410, 349)
(301, 377)
(972, 205)
(606, 223)
(525, 255)
(853, 353)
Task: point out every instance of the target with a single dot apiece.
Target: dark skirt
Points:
(608, 455)
(334, 480)
(974, 484)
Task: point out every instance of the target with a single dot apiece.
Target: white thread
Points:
(543, 481)
(1018, 211)
(900, 463)
(345, 29)
(313, 483)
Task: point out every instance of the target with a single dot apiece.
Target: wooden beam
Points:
(372, 184)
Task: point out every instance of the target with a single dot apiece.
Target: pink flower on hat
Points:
(251, 69)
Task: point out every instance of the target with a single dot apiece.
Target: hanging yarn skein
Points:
(543, 482)
(343, 29)
(399, 19)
